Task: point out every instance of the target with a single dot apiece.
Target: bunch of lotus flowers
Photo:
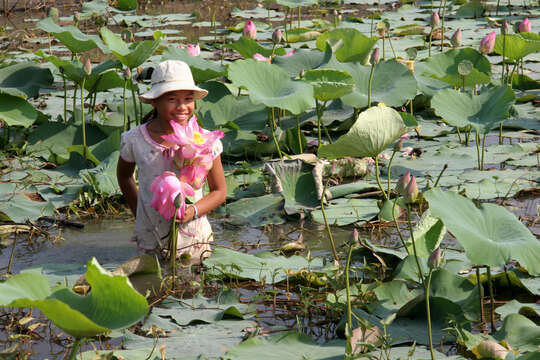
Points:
(170, 195)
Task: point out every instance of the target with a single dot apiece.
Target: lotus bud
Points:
(525, 26)
(455, 40)
(488, 43)
(276, 36)
(398, 145)
(435, 258)
(127, 73)
(87, 68)
(250, 31)
(411, 191)
(302, 73)
(355, 236)
(76, 18)
(504, 27)
(435, 19)
(402, 182)
(335, 12)
(53, 14)
(374, 58)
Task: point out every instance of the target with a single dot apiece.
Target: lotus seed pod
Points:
(455, 40)
(276, 36)
(504, 27)
(525, 26)
(127, 73)
(402, 183)
(488, 43)
(374, 58)
(435, 258)
(411, 191)
(87, 68)
(435, 19)
(53, 14)
(250, 30)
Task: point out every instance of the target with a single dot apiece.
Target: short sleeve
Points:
(126, 147)
(217, 149)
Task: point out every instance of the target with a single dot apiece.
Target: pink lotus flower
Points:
(488, 43)
(403, 182)
(289, 53)
(250, 31)
(259, 57)
(166, 188)
(411, 191)
(193, 50)
(195, 173)
(406, 151)
(525, 26)
(192, 138)
(404, 136)
(456, 38)
(434, 20)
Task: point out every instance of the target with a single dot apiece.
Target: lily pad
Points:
(520, 332)
(234, 112)
(342, 212)
(303, 59)
(248, 47)
(75, 40)
(428, 234)
(256, 211)
(355, 46)
(531, 311)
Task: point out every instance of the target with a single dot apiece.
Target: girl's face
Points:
(175, 105)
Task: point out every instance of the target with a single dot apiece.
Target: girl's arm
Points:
(216, 196)
(124, 174)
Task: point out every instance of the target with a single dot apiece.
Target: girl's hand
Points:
(188, 215)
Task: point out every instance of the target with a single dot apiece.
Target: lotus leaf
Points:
(134, 56)
(301, 35)
(445, 67)
(126, 5)
(391, 296)
(393, 84)
(374, 130)
(482, 111)
(428, 234)
(24, 79)
(531, 311)
(342, 212)
(16, 111)
(139, 354)
(247, 48)
(75, 40)
(303, 59)
(263, 267)
(232, 111)
(112, 303)
(329, 84)
(293, 4)
(517, 45)
(490, 234)
(257, 211)
(520, 332)
(21, 206)
(272, 86)
(471, 9)
(202, 70)
(355, 46)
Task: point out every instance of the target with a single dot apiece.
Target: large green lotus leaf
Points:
(98, 82)
(418, 353)
(58, 274)
(531, 311)
(24, 79)
(471, 9)
(293, 4)
(112, 303)
(288, 345)
(139, 354)
(491, 235)
(73, 70)
(494, 188)
(523, 82)
(75, 40)
(16, 111)
(521, 333)
(272, 86)
(263, 267)
(230, 110)
(248, 47)
(294, 180)
(445, 67)
(301, 35)
(459, 290)
(202, 70)
(201, 309)
(329, 84)
(373, 131)
(482, 111)
(343, 211)
(21, 206)
(517, 45)
(355, 46)
(239, 143)
(126, 5)
(391, 296)
(102, 178)
(428, 234)
(303, 59)
(392, 84)
(130, 56)
(257, 211)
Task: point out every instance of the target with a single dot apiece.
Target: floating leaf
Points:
(531, 311)
(355, 46)
(303, 59)
(256, 211)
(342, 212)
(293, 4)
(520, 332)
(75, 40)
(248, 47)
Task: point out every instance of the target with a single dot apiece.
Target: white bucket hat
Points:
(171, 75)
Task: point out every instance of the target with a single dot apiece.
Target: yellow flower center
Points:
(198, 138)
(381, 104)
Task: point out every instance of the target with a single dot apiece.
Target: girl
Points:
(173, 94)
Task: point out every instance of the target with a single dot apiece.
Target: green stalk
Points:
(383, 48)
(503, 56)
(371, 26)
(500, 133)
(512, 74)
(83, 121)
(478, 151)
(442, 24)
(299, 133)
(369, 85)
(75, 349)
(74, 100)
(414, 247)
(483, 150)
(347, 287)
(492, 299)
(285, 25)
(397, 226)
(173, 244)
(440, 175)
(390, 169)
(272, 125)
(299, 16)
(334, 252)
(378, 178)
(125, 106)
(318, 110)
(479, 283)
(65, 98)
(429, 317)
(392, 47)
(497, 10)
(137, 120)
(459, 135)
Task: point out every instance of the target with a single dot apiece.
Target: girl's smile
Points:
(174, 105)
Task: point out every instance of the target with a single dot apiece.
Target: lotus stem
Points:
(299, 134)
(214, 24)
(318, 110)
(411, 107)
(371, 26)
(269, 23)
(383, 48)
(420, 275)
(347, 286)
(285, 25)
(497, 10)
(429, 316)
(93, 107)
(491, 299)
(74, 100)
(479, 283)
(134, 103)
(478, 151)
(75, 349)
(483, 149)
(65, 98)
(459, 135)
(83, 121)
(272, 125)
(334, 252)
(125, 106)
(397, 226)
(299, 16)
(392, 47)
(512, 74)
(440, 175)
(468, 136)
(430, 37)
(12, 255)
(369, 85)
(173, 244)
(390, 169)
(378, 178)
(503, 54)
(443, 14)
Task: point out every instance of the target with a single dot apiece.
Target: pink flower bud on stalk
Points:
(87, 68)
(488, 43)
(435, 258)
(411, 191)
(525, 26)
(127, 73)
(435, 19)
(455, 40)
(276, 36)
(374, 58)
(250, 31)
(402, 182)
(354, 237)
(504, 27)
(76, 18)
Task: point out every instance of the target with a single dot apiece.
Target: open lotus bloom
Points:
(260, 57)
(193, 50)
(525, 26)
(166, 188)
(192, 139)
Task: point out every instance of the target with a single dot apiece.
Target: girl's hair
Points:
(152, 114)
